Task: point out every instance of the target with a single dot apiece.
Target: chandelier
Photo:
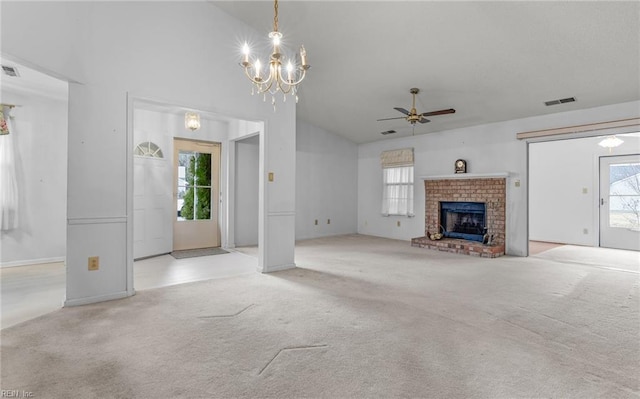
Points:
(274, 80)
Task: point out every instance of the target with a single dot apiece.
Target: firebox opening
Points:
(464, 220)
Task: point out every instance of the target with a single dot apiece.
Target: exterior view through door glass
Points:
(620, 202)
(197, 166)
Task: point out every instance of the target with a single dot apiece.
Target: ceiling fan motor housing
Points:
(413, 116)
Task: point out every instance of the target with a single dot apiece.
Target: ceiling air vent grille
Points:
(388, 132)
(560, 101)
(10, 71)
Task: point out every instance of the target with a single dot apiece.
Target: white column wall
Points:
(173, 52)
(488, 149)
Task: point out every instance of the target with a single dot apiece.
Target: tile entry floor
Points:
(31, 291)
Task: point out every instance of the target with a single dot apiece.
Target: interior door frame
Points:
(201, 226)
(603, 204)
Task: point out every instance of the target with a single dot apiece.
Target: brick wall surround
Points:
(491, 191)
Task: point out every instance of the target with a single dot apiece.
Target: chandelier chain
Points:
(275, 17)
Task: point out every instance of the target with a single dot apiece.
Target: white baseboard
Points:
(29, 262)
(277, 268)
(96, 299)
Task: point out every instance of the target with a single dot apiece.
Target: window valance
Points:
(395, 158)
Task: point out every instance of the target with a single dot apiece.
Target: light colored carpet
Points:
(360, 317)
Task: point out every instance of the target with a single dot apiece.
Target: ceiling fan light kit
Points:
(413, 116)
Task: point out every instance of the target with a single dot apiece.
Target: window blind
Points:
(396, 158)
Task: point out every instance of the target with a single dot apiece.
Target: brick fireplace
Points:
(469, 196)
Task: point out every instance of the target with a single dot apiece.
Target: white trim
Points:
(277, 268)
(131, 109)
(97, 220)
(96, 299)
(467, 176)
(29, 262)
(633, 122)
(282, 213)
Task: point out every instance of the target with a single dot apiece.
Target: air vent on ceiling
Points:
(388, 132)
(560, 101)
(10, 71)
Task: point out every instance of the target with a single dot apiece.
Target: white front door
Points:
(196, 194)
(152, 206)
(620, 202)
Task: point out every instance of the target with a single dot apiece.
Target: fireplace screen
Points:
(464, 220)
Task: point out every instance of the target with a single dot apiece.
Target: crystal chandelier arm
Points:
(261, 85)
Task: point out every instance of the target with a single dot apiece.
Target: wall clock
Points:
(461, 166)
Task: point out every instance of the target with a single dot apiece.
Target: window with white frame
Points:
(397, 182)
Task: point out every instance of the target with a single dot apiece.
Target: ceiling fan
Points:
(413, 116)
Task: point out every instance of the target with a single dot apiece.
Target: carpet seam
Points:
(306, 347)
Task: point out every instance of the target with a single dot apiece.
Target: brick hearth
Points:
(491, 191)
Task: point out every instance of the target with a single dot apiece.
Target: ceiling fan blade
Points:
(388, 119)
(424, 120)
(441, 112)
(404, 111)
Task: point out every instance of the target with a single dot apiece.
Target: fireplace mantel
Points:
(467, 176)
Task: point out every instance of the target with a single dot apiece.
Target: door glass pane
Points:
(624, 196)
(194, 185)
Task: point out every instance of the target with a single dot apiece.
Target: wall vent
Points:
(560, 101)
(388, 132)
(10, 71)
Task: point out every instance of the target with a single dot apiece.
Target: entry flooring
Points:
(32, 291)
(35, 290)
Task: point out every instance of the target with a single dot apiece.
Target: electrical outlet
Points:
(316, 222)
(585, 231)
(328, 221)
(398, 223)
(517, 184)
(94, 263)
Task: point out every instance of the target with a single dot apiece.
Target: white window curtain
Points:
(8, 180)
(397, 182)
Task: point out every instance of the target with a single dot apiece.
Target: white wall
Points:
(487, 149)
(40, 143)
(173, 52)
(564, 186)
(326, 183)
(246, 186)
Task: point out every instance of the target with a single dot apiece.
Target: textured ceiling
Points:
(491, 61)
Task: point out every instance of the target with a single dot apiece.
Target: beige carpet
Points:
(360, 317)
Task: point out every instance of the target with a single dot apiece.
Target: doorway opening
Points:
(34, 154)
(196, 194)
(565, 192)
